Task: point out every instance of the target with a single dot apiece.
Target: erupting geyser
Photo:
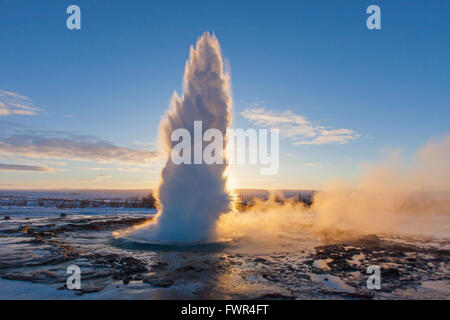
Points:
(193, 196)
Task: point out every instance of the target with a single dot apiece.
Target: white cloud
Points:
(313, 164)
(99, 178)
(297, 128)
(143, 143)
(14, 103)
(20, 167)
(15, 141)
(126, 169)
(291, 155)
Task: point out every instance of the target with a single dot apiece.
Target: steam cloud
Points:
(193, 196)
(393, 196)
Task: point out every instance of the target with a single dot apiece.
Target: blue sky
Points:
(113, 79)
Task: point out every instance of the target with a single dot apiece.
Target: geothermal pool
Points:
(38, 244)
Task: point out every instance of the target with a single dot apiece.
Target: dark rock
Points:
(123, 267)
(46, 276)
(94, 287)
(370, 239)
(260, 260)
(38, 239)
(158, 281)
(63, 215)
(186, 268)
(391, 273)
(159, 265)
(25, 229)
(360, 295)
(341, 264)
(277, 295)
(7, 218)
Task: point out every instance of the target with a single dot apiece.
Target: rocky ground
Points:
(38, 250)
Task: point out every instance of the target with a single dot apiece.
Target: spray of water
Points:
(193, 196)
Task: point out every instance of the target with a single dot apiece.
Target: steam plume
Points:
(193, 196)
(394, 196)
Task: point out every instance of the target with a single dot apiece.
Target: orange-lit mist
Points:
(393, 196)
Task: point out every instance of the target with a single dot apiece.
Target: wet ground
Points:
(37, 245)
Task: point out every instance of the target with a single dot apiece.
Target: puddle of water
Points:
(332, 282)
